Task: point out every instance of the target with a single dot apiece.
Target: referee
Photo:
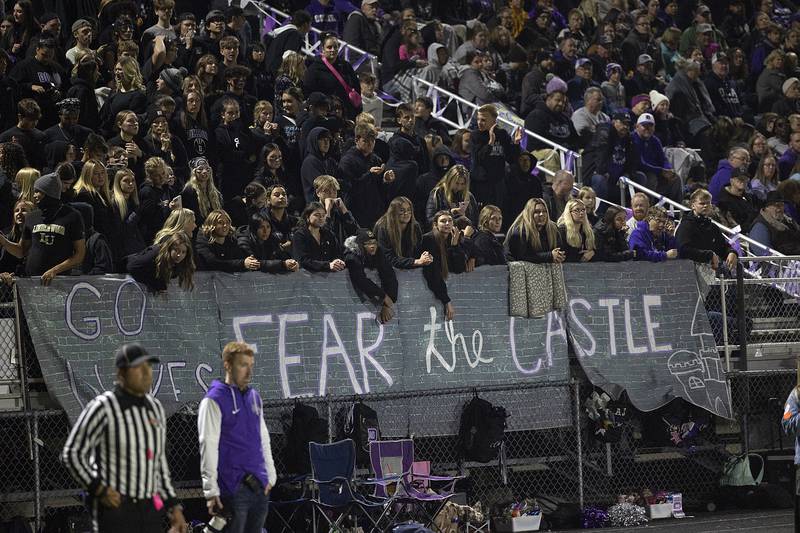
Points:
(116, 450)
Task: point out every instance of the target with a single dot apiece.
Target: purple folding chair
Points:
(395, 478)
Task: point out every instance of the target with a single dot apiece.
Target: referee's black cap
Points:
(133, 354)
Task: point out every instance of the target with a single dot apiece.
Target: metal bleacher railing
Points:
(466, 111)
(352, 54)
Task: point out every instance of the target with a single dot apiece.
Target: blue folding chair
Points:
(334, 487)
(408, 490)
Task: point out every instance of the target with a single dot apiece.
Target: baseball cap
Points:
(702, 8)
(45, 42)
(364, 236)
(368, 2)
(704, 28)
(646, 118)
(582, 62)
(623, 115)
(644, 58)
(80, 23)
(317, 99)
(719, 56)
(133, 354)
(215, 14)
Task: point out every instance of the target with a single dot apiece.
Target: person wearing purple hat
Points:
(124, 472)
(613, 89)
(551, 119)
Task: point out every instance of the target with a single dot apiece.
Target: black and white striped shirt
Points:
(119, 441)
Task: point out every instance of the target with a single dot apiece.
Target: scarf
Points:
(778, 224)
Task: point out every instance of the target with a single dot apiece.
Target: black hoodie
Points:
(406, 170)
(426, 182)
(554, 126)
(315, 164)
(489, 164)
(268, 252)
(699, 239)
(521, 186)
(358, 262)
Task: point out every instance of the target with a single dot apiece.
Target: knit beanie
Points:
(555, 85)
(656, 98)
(173, 77)
(50, 185)
(638, 99)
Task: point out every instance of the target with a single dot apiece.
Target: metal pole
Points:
(23, 370)
(722, 290)
(329, 408)
(621, 192)
(37, 502)
(579, 440)
(741, 318)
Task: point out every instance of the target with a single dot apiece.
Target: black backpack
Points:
(359, 422)
(306, 426)
(481, 431)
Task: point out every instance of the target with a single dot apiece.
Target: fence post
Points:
(621, 193)
(724, 305)
(21, 356)
(578, 437)
(37, 502)
(329, 408)
(741, 319)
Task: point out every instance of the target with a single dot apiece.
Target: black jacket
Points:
(362, 32)
(225, 256)
(606, 146)
(488, 249)
(573, 253)
(282, 40)
(142, 267)
(268, 252)
(611, 245)
(741, 209)
(406, 258)
(319, 78)
(699, 239)
(521, 186)
(312, 255)
(315, 164)
(155, 209)
(456, 263)
(427, 181)
(357, 263)
(406, 170)
(520, 249)
(489, 164)
(367, 192)
(135, 101)
(556, 127)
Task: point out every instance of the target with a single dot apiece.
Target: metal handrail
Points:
(661, 198)
(561, 150)
(309, 48)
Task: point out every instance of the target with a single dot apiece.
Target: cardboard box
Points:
(660, 510)
(520, 523)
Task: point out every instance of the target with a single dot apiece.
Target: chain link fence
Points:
(553, 444)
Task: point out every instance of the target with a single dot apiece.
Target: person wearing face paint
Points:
(125, 473)
(445, 245)
(699, 239)
(362, 252)
(610, 237)
(158, 264)
(52, 239)
(236, 462)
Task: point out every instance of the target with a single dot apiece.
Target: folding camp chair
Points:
(335, 497)
(407, 483)
(288, 502)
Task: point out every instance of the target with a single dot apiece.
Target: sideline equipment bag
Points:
(306, 426)
(481, 431)
(359, 422)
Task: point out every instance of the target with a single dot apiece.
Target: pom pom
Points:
(627, 515)
(594, 517)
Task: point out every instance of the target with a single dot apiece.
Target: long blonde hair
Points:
(390, 222)
(574, 229)
(293, 67)
(211, 220)
(208, 197)
(118, 198)
(25, 179)
(84, 182)
(175, 223)
(526, 227)
(132, 77)
(448, 180)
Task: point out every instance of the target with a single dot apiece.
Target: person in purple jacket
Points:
(235, 452)
(660, 176)
(328, 16)
(651, 240)
(790, 419)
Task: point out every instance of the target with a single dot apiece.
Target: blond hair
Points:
(448, 180)
(208, 196)
(526, 227)
(175, 223)
(118, 198)
(213, 218)
(25, 179)
(84, 182)
(574, 229)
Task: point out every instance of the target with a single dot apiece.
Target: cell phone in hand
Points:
(178, 202)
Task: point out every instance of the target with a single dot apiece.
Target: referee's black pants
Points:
(132, 516)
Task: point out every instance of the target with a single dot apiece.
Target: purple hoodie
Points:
(240, 449)
(647, 247)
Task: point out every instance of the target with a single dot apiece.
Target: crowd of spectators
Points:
(159, 138)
